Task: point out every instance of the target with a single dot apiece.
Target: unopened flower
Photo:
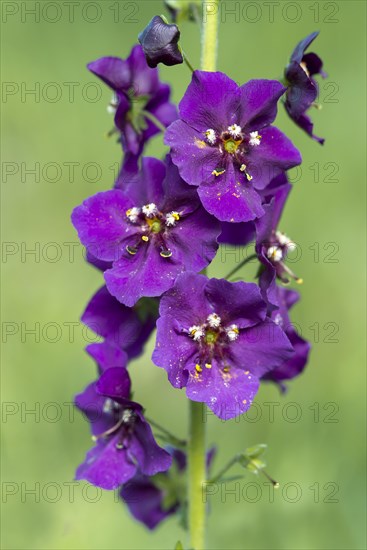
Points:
(159, 41)
(238, 344)
(302, 88)
(224, 143)
(152, 231)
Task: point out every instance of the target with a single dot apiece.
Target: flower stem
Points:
(155, 121)
(210, 35)
(238, 267)
(197, 474)
(196, 442)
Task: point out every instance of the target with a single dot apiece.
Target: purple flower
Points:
(137, 91)
(159, 41)
(302, 88)
(295, 365)
(213, 338)
(224, 145)
(152, 231)
(124, 439)
(152, 499)
(272, 247)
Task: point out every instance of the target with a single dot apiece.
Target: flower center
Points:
(212, 337)
(151, 224)
(234, 142)
(231, 146)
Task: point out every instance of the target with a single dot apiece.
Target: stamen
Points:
(113, 104)
(211, 136)
(208, 365)
(145, 238)
(131, 250)
(165, 253)
(274, 253)
(110, 430)
(235, 130)
(218, 172)
(278, 319)
(232, 332)
(133, 214)
(150, 210)
(198, 368)
(196, 332)
(243, 168)
(172, 218)
(283, 240)
(254, 139)
(214, 320)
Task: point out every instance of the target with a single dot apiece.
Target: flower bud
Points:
(159, 41)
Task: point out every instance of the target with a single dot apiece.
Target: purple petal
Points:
(237, 234)
(113, 71)
(144, 274)
(194, 158)
(259, 100)
(106, 467)
(230, 198)
(143, 447)
(275, 154)
(115, 383)
(186, 301)
(144, 501)
(212, 100)
(226, 394)
(101, 224)
(299, 50)
(119, 324)
(107, 355)
(174, 350)
(238, 303)
(261, 348)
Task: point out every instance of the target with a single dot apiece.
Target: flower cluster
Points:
(151, 236)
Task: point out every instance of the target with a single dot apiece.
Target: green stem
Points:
(196, 442)
(186, 60)
(210, 35)
(225, 469)
(175, 440)
(155, 121)
(197, 474)
(238, 267)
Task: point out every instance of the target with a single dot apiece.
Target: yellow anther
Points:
(198, 368)
(218, 172)
(131, 250)
(208, 365)
(299, 281)
(145, 238)
(226, 369)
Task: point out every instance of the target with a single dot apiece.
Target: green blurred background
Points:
(316, 438)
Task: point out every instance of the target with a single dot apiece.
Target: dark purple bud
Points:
(159, 41)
